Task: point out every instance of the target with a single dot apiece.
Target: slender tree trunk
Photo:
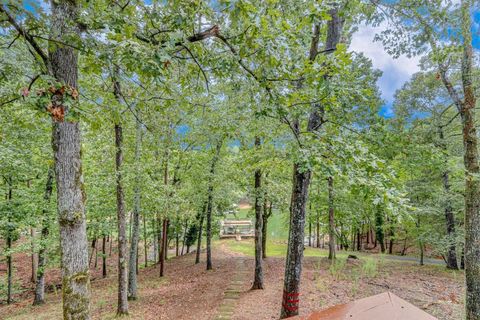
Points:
(104, 257)
(331, 220)
(199, 240)
(122, 307)
(133, 257)
(258, 274)
(166, 241)
(9, 257)
(155, 241)
(177, 241)
(210, 203)
(9, 269)
(317, 229)
(449, 216)
(379, 235)
(309, 233)
(145, 239)
(136, 264)
(111, 245)
(163, 246)
(185, 229)
(42, 252)
(472, 180)
(267, 213)
(33, 277)
(359, 241)
(450, 222)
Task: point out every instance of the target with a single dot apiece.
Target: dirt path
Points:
(231, 295)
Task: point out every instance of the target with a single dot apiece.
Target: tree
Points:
(424, 24)
(259, 205)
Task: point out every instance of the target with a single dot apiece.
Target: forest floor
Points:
(188, 291)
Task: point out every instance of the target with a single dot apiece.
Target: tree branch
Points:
(25, 35)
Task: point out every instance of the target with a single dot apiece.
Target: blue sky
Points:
(395, 71)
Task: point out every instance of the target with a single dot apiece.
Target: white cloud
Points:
(395, 71)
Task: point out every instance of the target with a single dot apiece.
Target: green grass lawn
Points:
(278, 249)
(277, 224)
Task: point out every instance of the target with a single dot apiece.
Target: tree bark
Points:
(122, 307)
(309, 233)
(66, 143)
(42, 252)
(156, 241)
(449, 216)
(210, 202)
(293, 268)
(9, 269)
(267, 213)
(199, 239)
(145, 239)
(258, 274)
(163, 246)
(379, 233)
(133, 257)
(9, 247)
(33, 277)
(301, 181)
(472, 180)
(104, 256)
(331, 220)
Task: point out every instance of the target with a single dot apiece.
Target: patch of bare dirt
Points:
(436, 291)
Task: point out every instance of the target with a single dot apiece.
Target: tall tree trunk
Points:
(199, 239)
(156, 241)
(317, 230)
(391, 242)
(301, 180)
(163, 246)
(185, 229)
(466, 108)
(449, 216)
(379, 233)
(166, 241)
(42, 252)
(145, 239)
(177, 239)
(122, 307)
(267, 213)
(359, 240)
(66, 143)
(9, 247)
(309, 233)
(133, 257)
(258, 274)
(210, 202)
(9, 268)
(331, 220)
(472, 180)
(104, 256)
(293, 269)
(33, 277)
